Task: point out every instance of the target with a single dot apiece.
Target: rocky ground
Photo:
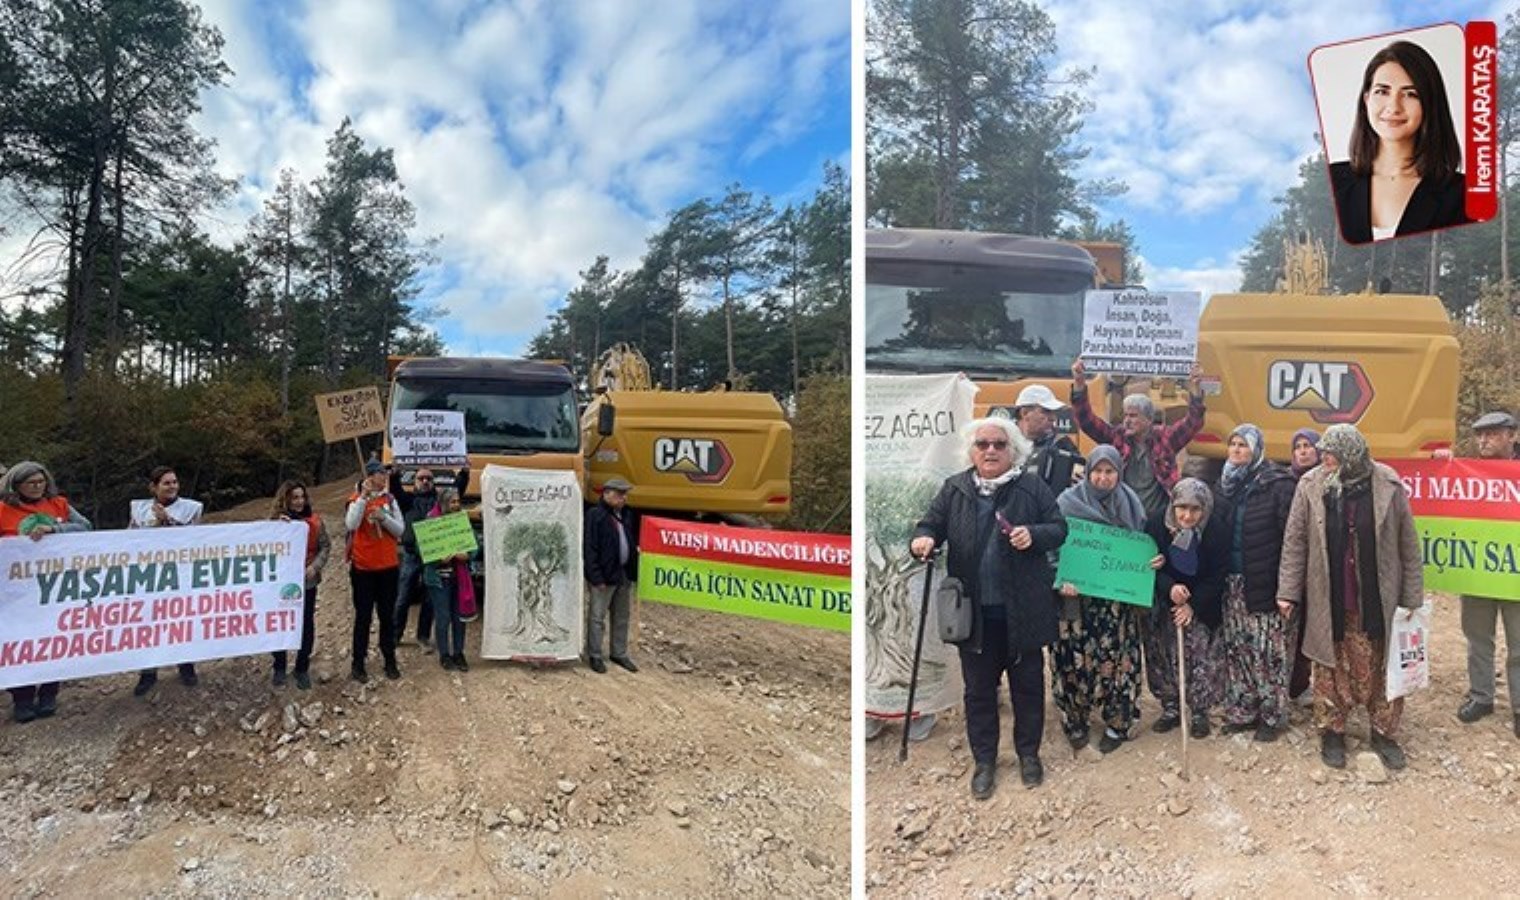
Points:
(722, 768)
(1252, 819)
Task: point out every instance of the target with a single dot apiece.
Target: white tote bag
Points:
(1409, 652)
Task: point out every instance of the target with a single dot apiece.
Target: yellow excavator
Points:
(1007, 311)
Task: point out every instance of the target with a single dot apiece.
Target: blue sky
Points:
(533, 135)
(1206, 110)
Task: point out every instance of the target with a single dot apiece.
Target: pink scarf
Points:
(464, 585)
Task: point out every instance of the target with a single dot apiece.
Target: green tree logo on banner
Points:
(539, 551)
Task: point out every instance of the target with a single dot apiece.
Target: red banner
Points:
(797, 551)
(1482, 121)
(1462, 488)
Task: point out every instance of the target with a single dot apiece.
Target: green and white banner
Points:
(784, 576)
(1468, 514)
(533, 580)
(912, 445)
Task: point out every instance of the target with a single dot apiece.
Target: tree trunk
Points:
(118, 242)
(728, 325)
(675, 322)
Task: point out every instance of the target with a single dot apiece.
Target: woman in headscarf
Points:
(1252, 502)
(1096, 658)
(1304, 453)
(1350, 577)
(1195, 549)
(30, 506)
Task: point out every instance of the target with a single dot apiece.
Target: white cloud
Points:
(1207, 276)
(531, 136)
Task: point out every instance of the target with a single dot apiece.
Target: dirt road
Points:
(1253, 820)
(722, 768)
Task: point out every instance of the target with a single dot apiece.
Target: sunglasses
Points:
(995, 445)
(424, 478)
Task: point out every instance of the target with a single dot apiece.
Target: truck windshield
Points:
(501, 416)
(934, 317)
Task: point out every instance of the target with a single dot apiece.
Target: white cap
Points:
(1038, 395)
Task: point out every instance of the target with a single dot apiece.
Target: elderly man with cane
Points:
(1000, 520)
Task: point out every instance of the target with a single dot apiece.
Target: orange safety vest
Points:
(11, 517)
(372, 548)
(313, 528)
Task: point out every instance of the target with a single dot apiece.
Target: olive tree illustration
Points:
(893, 505)
(539, 551)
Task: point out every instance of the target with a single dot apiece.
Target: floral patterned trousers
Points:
(1358, 678)
(1257, 661)
(1095, 663)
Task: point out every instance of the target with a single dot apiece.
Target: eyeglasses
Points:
(995, 445)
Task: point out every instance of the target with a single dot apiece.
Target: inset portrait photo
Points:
(1394, 121)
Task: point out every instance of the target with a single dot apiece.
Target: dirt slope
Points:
(1254, 819)
(722, 768)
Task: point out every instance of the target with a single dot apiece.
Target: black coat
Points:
(1432, 205)
(1055, 462)
(1261, 536)
(415, 505)
(1025, 578)
(1207, 586)
(599, 550)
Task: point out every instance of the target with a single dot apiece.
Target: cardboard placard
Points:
(349, 414)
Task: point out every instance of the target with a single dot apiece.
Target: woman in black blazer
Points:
(1404, 174)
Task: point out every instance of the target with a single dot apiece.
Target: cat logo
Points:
(1330, 392)
(699, 459)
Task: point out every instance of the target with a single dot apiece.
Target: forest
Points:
(131, 339)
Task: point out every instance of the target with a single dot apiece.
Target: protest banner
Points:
(533, 574)
(444, 536)
(425, 437)
(1136, 332)
(912, 444)
(77, 605)
(1107, 562)
(1467, 513)
(783, 576)
(350, 414)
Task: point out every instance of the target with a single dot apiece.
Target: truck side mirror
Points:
(606, 415)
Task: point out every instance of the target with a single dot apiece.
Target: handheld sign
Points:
(444, 536)
(426, 437)
(349, 414)
(1107, 562)
(1136, 332)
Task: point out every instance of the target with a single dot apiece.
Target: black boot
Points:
(1332, 749)
(983, 780)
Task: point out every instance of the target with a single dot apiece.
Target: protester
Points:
(165, 508)
(1189, 592)
(1495, 435)
(1001, 521)
(1351, 561)
(374, 524)
(1096, 659)
(1054, 457)
(1252, 501)
(448, 581)
(1148, 453)
(1304, 449)
(30, 506)
(417, 504)
(292, 503)
(611, 552)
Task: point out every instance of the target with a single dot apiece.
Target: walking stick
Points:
(1182, 698)
(918, 653)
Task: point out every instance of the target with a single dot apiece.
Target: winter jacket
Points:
(1304, 575)
(1164, 442)
(1267, 501)
(1055, 461)
(1024, 576)
(600, 549)
(415, 506)
(1207, 586)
